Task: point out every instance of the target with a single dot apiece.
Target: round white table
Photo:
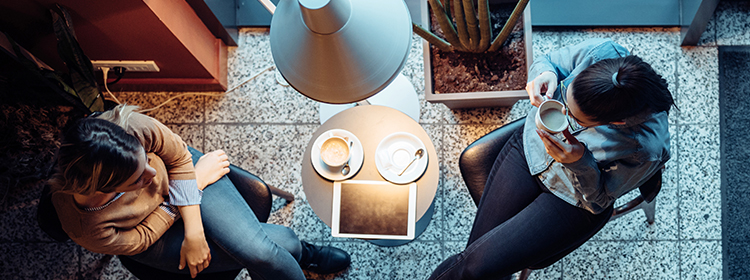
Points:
(372, 123)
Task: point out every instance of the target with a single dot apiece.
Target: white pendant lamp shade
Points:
(340, 51)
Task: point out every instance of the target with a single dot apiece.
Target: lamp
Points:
(342, 51)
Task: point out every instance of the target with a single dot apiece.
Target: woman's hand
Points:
(195, 254)
(560, 151)
(544, 84)
(210, 167)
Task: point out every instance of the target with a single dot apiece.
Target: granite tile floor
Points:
(264, 126)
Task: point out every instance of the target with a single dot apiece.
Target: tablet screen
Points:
(374, 209)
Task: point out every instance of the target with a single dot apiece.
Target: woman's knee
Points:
(283, 237)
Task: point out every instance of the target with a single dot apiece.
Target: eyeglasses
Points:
(563, 91)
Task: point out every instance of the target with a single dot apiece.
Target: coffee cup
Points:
(335, 151)
(550, 116)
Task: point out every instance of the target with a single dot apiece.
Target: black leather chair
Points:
(258, 194)
(476, 162)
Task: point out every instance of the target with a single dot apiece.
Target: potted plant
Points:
(469, 62)
(78, 86)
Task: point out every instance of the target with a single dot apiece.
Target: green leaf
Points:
(79, 65)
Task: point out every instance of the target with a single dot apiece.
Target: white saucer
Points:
(395, 152)
(355, 162)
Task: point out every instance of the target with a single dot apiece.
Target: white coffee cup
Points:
(335, 151)
(551, 117)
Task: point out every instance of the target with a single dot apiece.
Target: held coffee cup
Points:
(335, 151)
(550, 116)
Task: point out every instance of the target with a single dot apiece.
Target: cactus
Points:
(467, 29)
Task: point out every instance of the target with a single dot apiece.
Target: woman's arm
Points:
(597, 186)
(195, 253)
(184, 189)
(118, 241)
(565, 61)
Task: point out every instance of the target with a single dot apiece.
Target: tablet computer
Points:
(374, 210)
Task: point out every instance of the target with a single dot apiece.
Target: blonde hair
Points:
(97, 154)
(119, 115)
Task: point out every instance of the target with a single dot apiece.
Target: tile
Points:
(543, 42)
(252, 55)
(18, 210)
(733, 24)
(187, 108)
(700, 182)
(415, 260)
(734, 222)
(519, 110)
(255, 92)
(190, 133)
(633, 226)
(282, 211)
(737, 258)
(487, 115)
(460, 208)
(99, 266)
(451, 248)
(459, 219)
(552, 272)
(308, 226)
(698, 95)
(39, 260)
(708, 37)
(456, 139)
(272, 152)
(262, 100)
(701, 260)
(623, 260)
(434, 230)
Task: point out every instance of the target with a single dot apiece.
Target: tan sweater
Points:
(133, 222)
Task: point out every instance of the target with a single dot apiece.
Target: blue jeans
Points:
(235, 236)
(519, 223)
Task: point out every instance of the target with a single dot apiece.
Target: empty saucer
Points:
(395, 152)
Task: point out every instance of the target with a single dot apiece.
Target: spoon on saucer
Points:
(345, 170)
(417, 155)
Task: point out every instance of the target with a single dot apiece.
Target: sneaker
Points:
(323, 259)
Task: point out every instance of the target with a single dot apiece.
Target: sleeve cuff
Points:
(184, 192)
(586, 163)
(171, 210)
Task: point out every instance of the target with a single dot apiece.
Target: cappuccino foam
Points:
(334, 151)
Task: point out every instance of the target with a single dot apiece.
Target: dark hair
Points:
(96, 155)
(615, 89)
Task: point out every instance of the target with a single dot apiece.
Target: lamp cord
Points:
(106, 69)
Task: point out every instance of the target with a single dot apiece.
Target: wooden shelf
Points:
(169, 32)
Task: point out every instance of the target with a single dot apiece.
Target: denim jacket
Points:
(617, 158)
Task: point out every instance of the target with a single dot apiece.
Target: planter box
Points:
(473, 99)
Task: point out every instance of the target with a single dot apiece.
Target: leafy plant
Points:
(79, 65)
(78, 87)
(467, 29)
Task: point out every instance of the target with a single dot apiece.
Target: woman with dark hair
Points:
(546, 192)
(125, 184)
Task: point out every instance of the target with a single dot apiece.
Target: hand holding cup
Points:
(551, 117)
(541, 88)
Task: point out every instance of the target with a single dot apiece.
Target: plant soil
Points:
(455, 72)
